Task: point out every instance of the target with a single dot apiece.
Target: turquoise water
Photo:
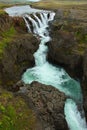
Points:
(55, 76)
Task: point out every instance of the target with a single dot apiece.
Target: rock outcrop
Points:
(16, 49)
(62, 52)
(17, 57)
(16, 113)
(84, 82)
(48, 103)
(67, 48)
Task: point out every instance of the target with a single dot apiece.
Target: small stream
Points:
(48, 74)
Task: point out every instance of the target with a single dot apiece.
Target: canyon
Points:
(67, 49)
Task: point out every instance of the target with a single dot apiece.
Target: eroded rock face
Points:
(5, 22)
(84, 82)
(19, 47)
(61, 51)
(49, 105)
(17, 57)
(68, 47)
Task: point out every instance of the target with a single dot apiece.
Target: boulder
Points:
(48, 103)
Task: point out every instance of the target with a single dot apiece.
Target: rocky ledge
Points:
(48, 104)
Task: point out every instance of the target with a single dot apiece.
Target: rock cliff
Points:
(16, 49)
(68, 46)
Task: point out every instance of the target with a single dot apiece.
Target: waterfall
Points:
(73, 116)
(35, 25)
(39, 21)
(39, 27)
(43, 71)
(48, 74)
(27, 24)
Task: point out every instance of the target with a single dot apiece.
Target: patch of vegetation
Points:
(55, 4)
(6, 37)
(2, 6)
(15, 114)
(81, 37)
(2, 12)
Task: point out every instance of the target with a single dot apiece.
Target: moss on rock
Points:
(7, 37)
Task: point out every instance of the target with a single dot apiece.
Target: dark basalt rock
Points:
(84, 82)
(48, 103)
(68, 46)
(61, 52)
(18, 52)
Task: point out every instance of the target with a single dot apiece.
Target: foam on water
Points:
(55, 76)
(73, 116)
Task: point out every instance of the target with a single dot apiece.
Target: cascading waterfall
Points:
(46, 73)
(73, 116)
(50, 75)
(43, 71)
(27, 24)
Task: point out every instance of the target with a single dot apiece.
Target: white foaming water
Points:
(55, 76)
(39, 21)
(35, 25)
(48, 74)
(73, 116)
(44, 72)
(27, 24)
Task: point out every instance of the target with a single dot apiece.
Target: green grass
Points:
(7, 37)
(55, 4)
(14, 113)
